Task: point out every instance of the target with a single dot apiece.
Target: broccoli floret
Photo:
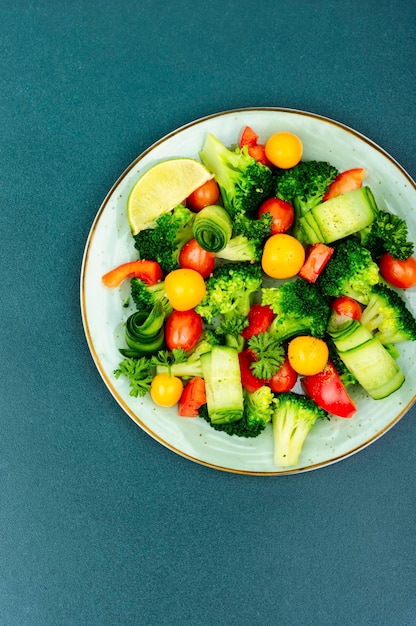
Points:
(240, 428)
(206, 342)
(241, 248)
(146, 296)
(229, 290)
(388, 233)
(177, 363)
(231, 325)
(304, 186)
(258, 411)
(388, 317)
(244, 182)
(185, 364)
(299, 308)
(164, 242)
(293, 417)
(350, 271)
(259, 407)
(249, 236)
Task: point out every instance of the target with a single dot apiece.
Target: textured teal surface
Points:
(100, 524)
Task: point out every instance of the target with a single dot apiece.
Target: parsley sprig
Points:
(139, 372)
(269, 353)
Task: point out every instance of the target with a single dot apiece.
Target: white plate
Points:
(110, 243)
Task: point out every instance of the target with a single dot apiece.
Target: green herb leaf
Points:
(269, 353)
(139, 373)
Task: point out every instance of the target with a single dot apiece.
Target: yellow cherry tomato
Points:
(166, 390)
(307, 355)
(284, 149)
(185, 288)
(283, 256)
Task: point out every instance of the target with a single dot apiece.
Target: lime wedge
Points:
(161, 188)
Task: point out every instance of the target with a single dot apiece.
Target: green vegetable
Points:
(339, 217)
(387, 315)
(224, 391)
(185, 364)
(164, 242)
(241, 248)
(212, 228)
(144, 332)
(293, 417)
(258, 411)
(240, 428)
(249, 236)
(347, 378)
(364, 355)
(259, 407)
(388, 233)
(299, 308)
(146, 296)
(230, 328)
(229, 290)
(269, 353)
(304, 187)
(139, 373)
(349, 272)
(244, 182)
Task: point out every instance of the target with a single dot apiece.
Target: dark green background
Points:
(100, 524)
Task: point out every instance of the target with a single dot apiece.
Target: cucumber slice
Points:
(358, 336)
(221, 372)
(341, 216)
(374, 368)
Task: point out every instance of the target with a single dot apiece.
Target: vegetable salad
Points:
(276, 271)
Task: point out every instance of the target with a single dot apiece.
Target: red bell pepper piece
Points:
(248, 137)
(329, 392)
(258, 151)
(317, 257)
(149, 272)
(192, 398)
(260, 316)
(345, 181)
(250, 382)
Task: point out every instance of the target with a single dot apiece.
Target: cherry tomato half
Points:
(184, 288)
(206, 194)
(307, 355)
(284, 150)
(283, 256)
(183, 330)
(282, 213)
(284, 379)
(345, 305)
(401, 274)
(166, 390)
(194, 257)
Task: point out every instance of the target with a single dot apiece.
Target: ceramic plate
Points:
(110, 244)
